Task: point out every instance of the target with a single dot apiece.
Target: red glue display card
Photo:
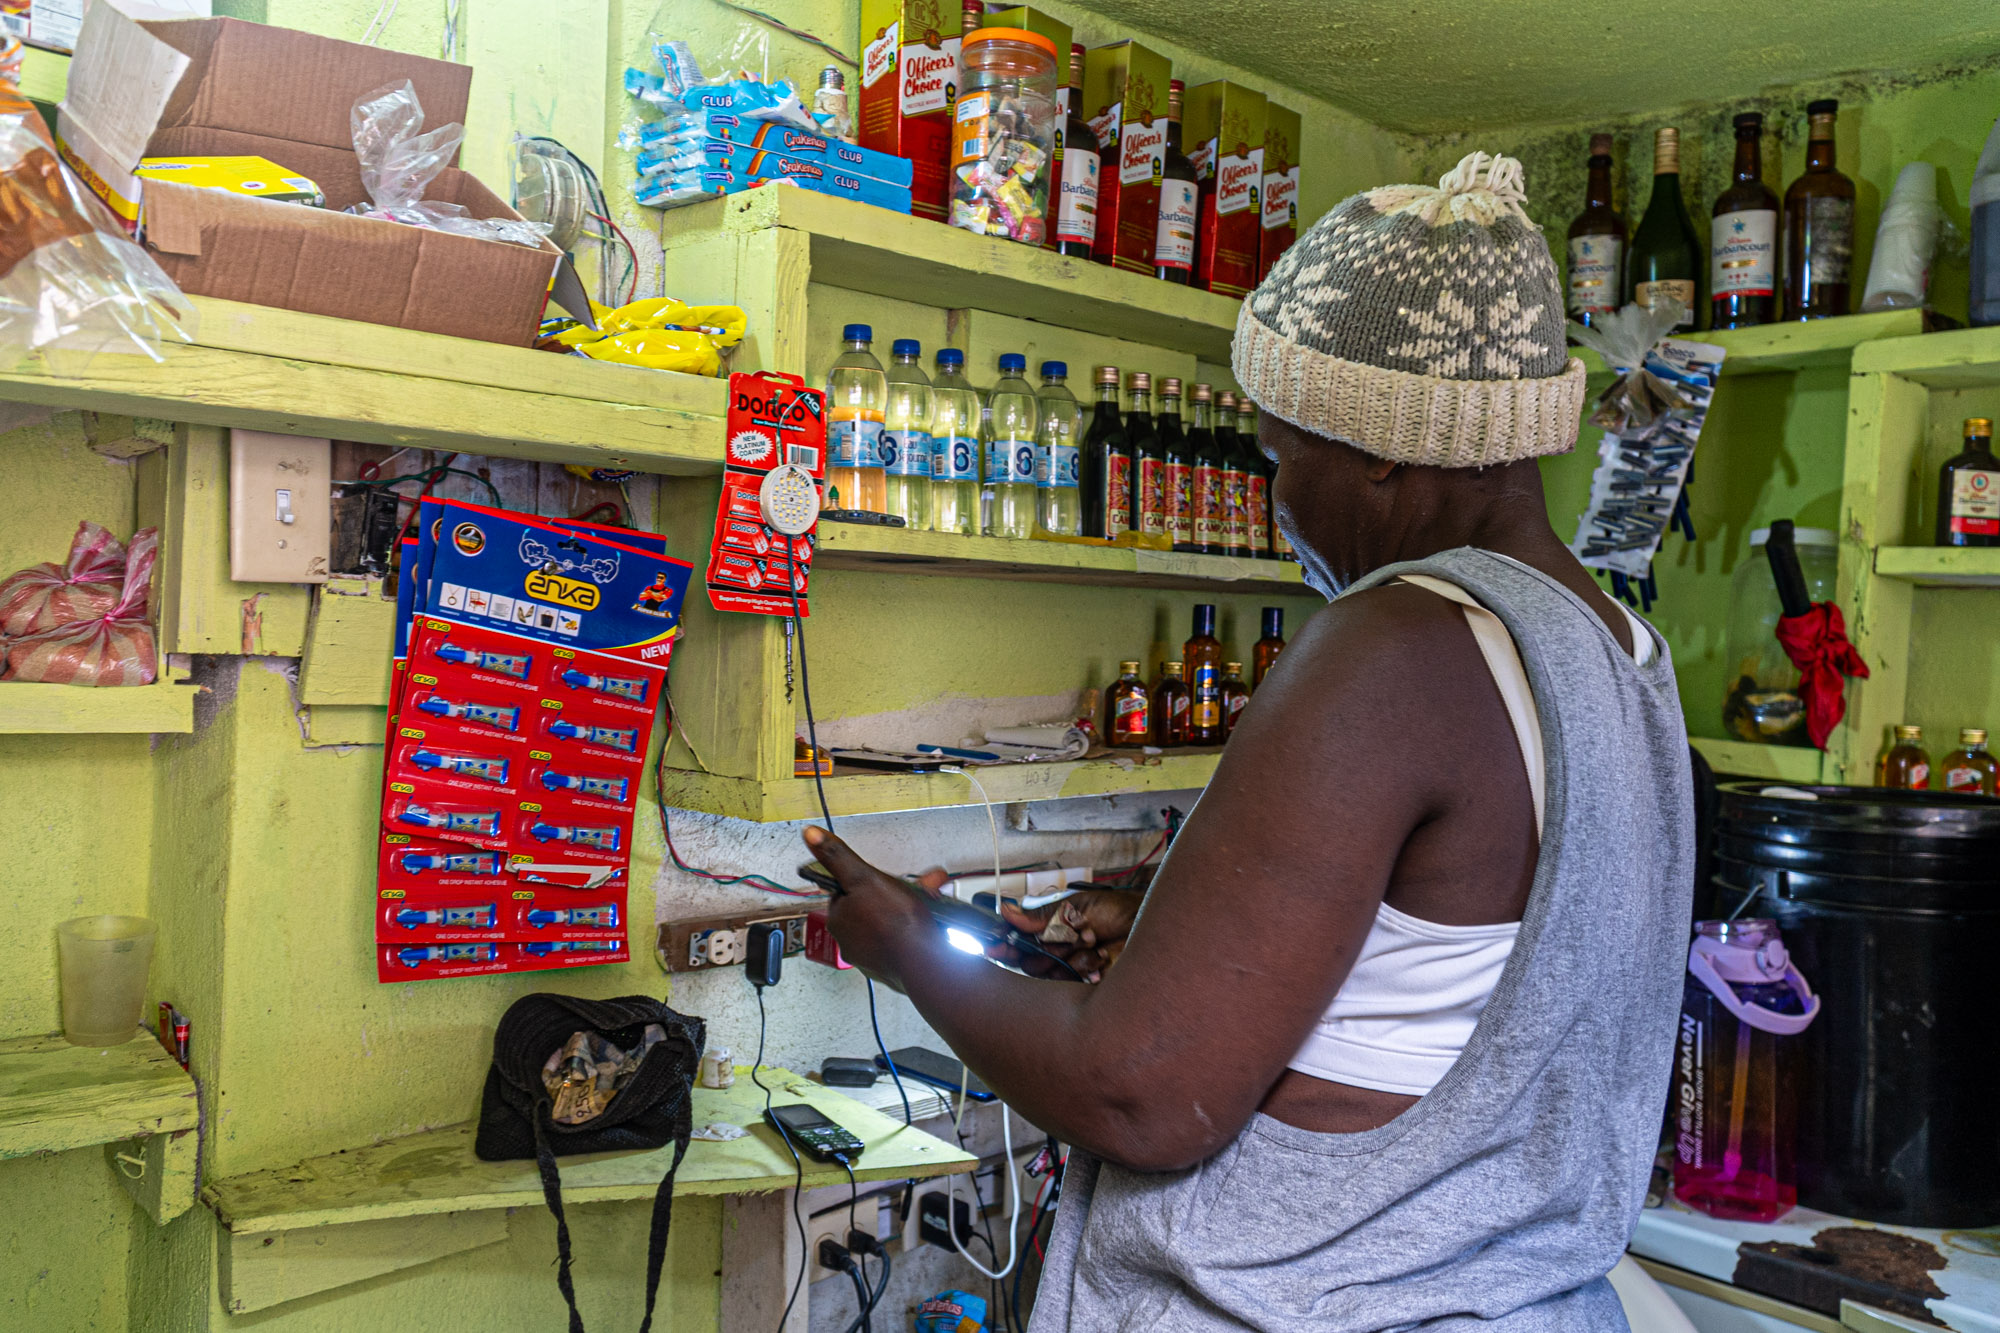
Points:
(774, 420)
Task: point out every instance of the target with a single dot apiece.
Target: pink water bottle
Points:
(1734, 1102)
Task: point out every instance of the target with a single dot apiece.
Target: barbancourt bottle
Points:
(1743, 238)
(1075, 171)
(1596, 243)
(1180, 202)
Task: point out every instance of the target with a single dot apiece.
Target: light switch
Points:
(280, 507)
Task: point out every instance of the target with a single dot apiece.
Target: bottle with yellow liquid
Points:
(856, 393)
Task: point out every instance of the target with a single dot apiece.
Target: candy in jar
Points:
(1004, 134)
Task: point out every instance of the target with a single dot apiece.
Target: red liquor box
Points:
(1223, 131)
(909, 81)
(1281, 185)
(1125, 101)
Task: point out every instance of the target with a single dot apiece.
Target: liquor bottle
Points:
(1819, 226)
(1174, 238)
(1970, 768)
(954, 447)
(1143, 437)
(1968, 506)
(1059, 509)
(1210, 506)
(1596, 243)
(1665, 259)
(1264, 654)
(1150, 443)
(1128, 711)
(1106, 463)
(1170, 707)
(1012, 451)
(1234, 695)
(1180, 466)
(1235, 478)
(1743, 238)
(1203, 656)
(1904, 764)
(1074, 172)
(906, 436)
(1257, 506)
(855, 391)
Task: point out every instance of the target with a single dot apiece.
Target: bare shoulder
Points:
(1396, 634)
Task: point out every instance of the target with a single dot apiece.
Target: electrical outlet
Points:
(694, 946)
(827, 1226)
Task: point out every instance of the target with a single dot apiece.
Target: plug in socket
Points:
(931, 1212)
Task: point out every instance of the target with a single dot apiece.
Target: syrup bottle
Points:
(1170, 707)
(1203, 656)
(1970, 768)
(1904, 764)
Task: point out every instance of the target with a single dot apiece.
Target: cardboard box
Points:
(221, 86)
(909, 81)
(1125, 101)
(1223, 127)
(1282, 129)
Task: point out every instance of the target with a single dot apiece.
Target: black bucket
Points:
(1890, 903)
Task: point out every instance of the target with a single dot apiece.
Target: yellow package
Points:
(660, 349)
(258, 176)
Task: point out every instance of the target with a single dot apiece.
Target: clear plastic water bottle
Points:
(1058, 457)
(1011, 461)
(954, 447)
(906, 436)
(856, 392)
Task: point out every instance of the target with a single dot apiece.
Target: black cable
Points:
(860, 1298)
(799, 1180)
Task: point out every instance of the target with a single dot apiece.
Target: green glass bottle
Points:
(1666, 251)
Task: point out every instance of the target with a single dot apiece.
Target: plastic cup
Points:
(104, 965)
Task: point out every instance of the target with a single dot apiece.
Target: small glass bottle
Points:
(1012, 451)
(906, 437)
(1059, 498)
(1106, 462)
(1904, 764)
(1264, 654)
(954, 447)
(1258, 469)
(1970, 768)
(1968, 506)
(1170, 707)
(1203, 656)
(1208, 502)
(1743, 238)
(1149, 459)
(1074, 173)
(1180, 195)
(1819, 226)
(1596, 243)
(1128, 711)
(1180, 466)
(831, 101)
(1234, 695)
(855, 391)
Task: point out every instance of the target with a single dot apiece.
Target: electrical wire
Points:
(799, 33)
(1013, 1189)
(799, 1180)
(759, 882)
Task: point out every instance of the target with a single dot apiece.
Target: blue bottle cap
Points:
(906, 347)
(1055, 368)
(1012, 363)
(857, 333)
(950, 356)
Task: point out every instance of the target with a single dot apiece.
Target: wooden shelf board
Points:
(870, 249)
(55, 1097)
(57, 709)
(1952, 359)
(44, 75)
(1771, 348)
(903, 551)
(1940, 566)
(435, 1172)
(1780, 763)
(860, 792)
(298, 374)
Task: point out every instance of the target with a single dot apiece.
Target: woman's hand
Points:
(1096, 920)
(876, 917)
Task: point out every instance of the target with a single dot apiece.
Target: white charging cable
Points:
(992, 823)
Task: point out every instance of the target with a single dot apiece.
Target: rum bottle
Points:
(1596, 243)
(1170, 707)
(1234, 695)
(1970, 768)
(1145, 439)
(1180, 466)
(1106, 463)
(1211, 507)
(1203, 656)
(1819, 226)
(1074, 172)
(1149, 456)
(906, 437)
(1257, 507)
(1968, 506)
(1666, 254)
(1743, 238)
(1057, 454)
(1265, 653)
(954, 447)
(1013, 445)
(1174, 238)
(1128, 711)
(855, 392)
(1904, 764)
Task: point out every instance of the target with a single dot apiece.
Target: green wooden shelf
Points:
(1954, 359)
(869, 249)
(55, 1096)
(297, 374)
(1940, 566)
(1779, 763)
(1770, 349)
(38, 709)
(44, 75)
(903, 551)
(851, 792)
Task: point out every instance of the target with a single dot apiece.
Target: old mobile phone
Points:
(982, 926)
(940, 1071)
(813, 1134)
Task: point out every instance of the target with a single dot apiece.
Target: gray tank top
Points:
(1500, 1199)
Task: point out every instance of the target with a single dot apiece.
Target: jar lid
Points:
(1034, 39)
(1800, 537)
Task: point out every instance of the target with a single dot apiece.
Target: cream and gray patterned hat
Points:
(1420, 325)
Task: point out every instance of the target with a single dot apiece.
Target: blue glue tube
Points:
(452, 821)
(454, 863)
(603, 916)
(624, 687)
(483, 767)
(547, 947)
(603, 839)
(605, 789)
(447, 953)
(612, 738)
(514, 665)
(492, 715)
(476, 918)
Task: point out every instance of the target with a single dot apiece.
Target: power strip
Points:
(694, 946)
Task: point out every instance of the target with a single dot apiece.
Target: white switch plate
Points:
(280, 507)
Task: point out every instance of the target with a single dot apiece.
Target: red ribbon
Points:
(1817, 644)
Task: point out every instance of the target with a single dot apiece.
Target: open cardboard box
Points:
(174, 88)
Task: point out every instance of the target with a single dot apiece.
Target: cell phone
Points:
(940, 1071)
(813, 1134)
(837, 1071)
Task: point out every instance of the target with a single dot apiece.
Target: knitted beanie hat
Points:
(1419, 325)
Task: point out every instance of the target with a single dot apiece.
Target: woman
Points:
(1388, 1042)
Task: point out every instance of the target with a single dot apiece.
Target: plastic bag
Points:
(72, 284)
(399, 160)
(116, 648)
(1638, 397)
(660, 333)
(85, 586)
